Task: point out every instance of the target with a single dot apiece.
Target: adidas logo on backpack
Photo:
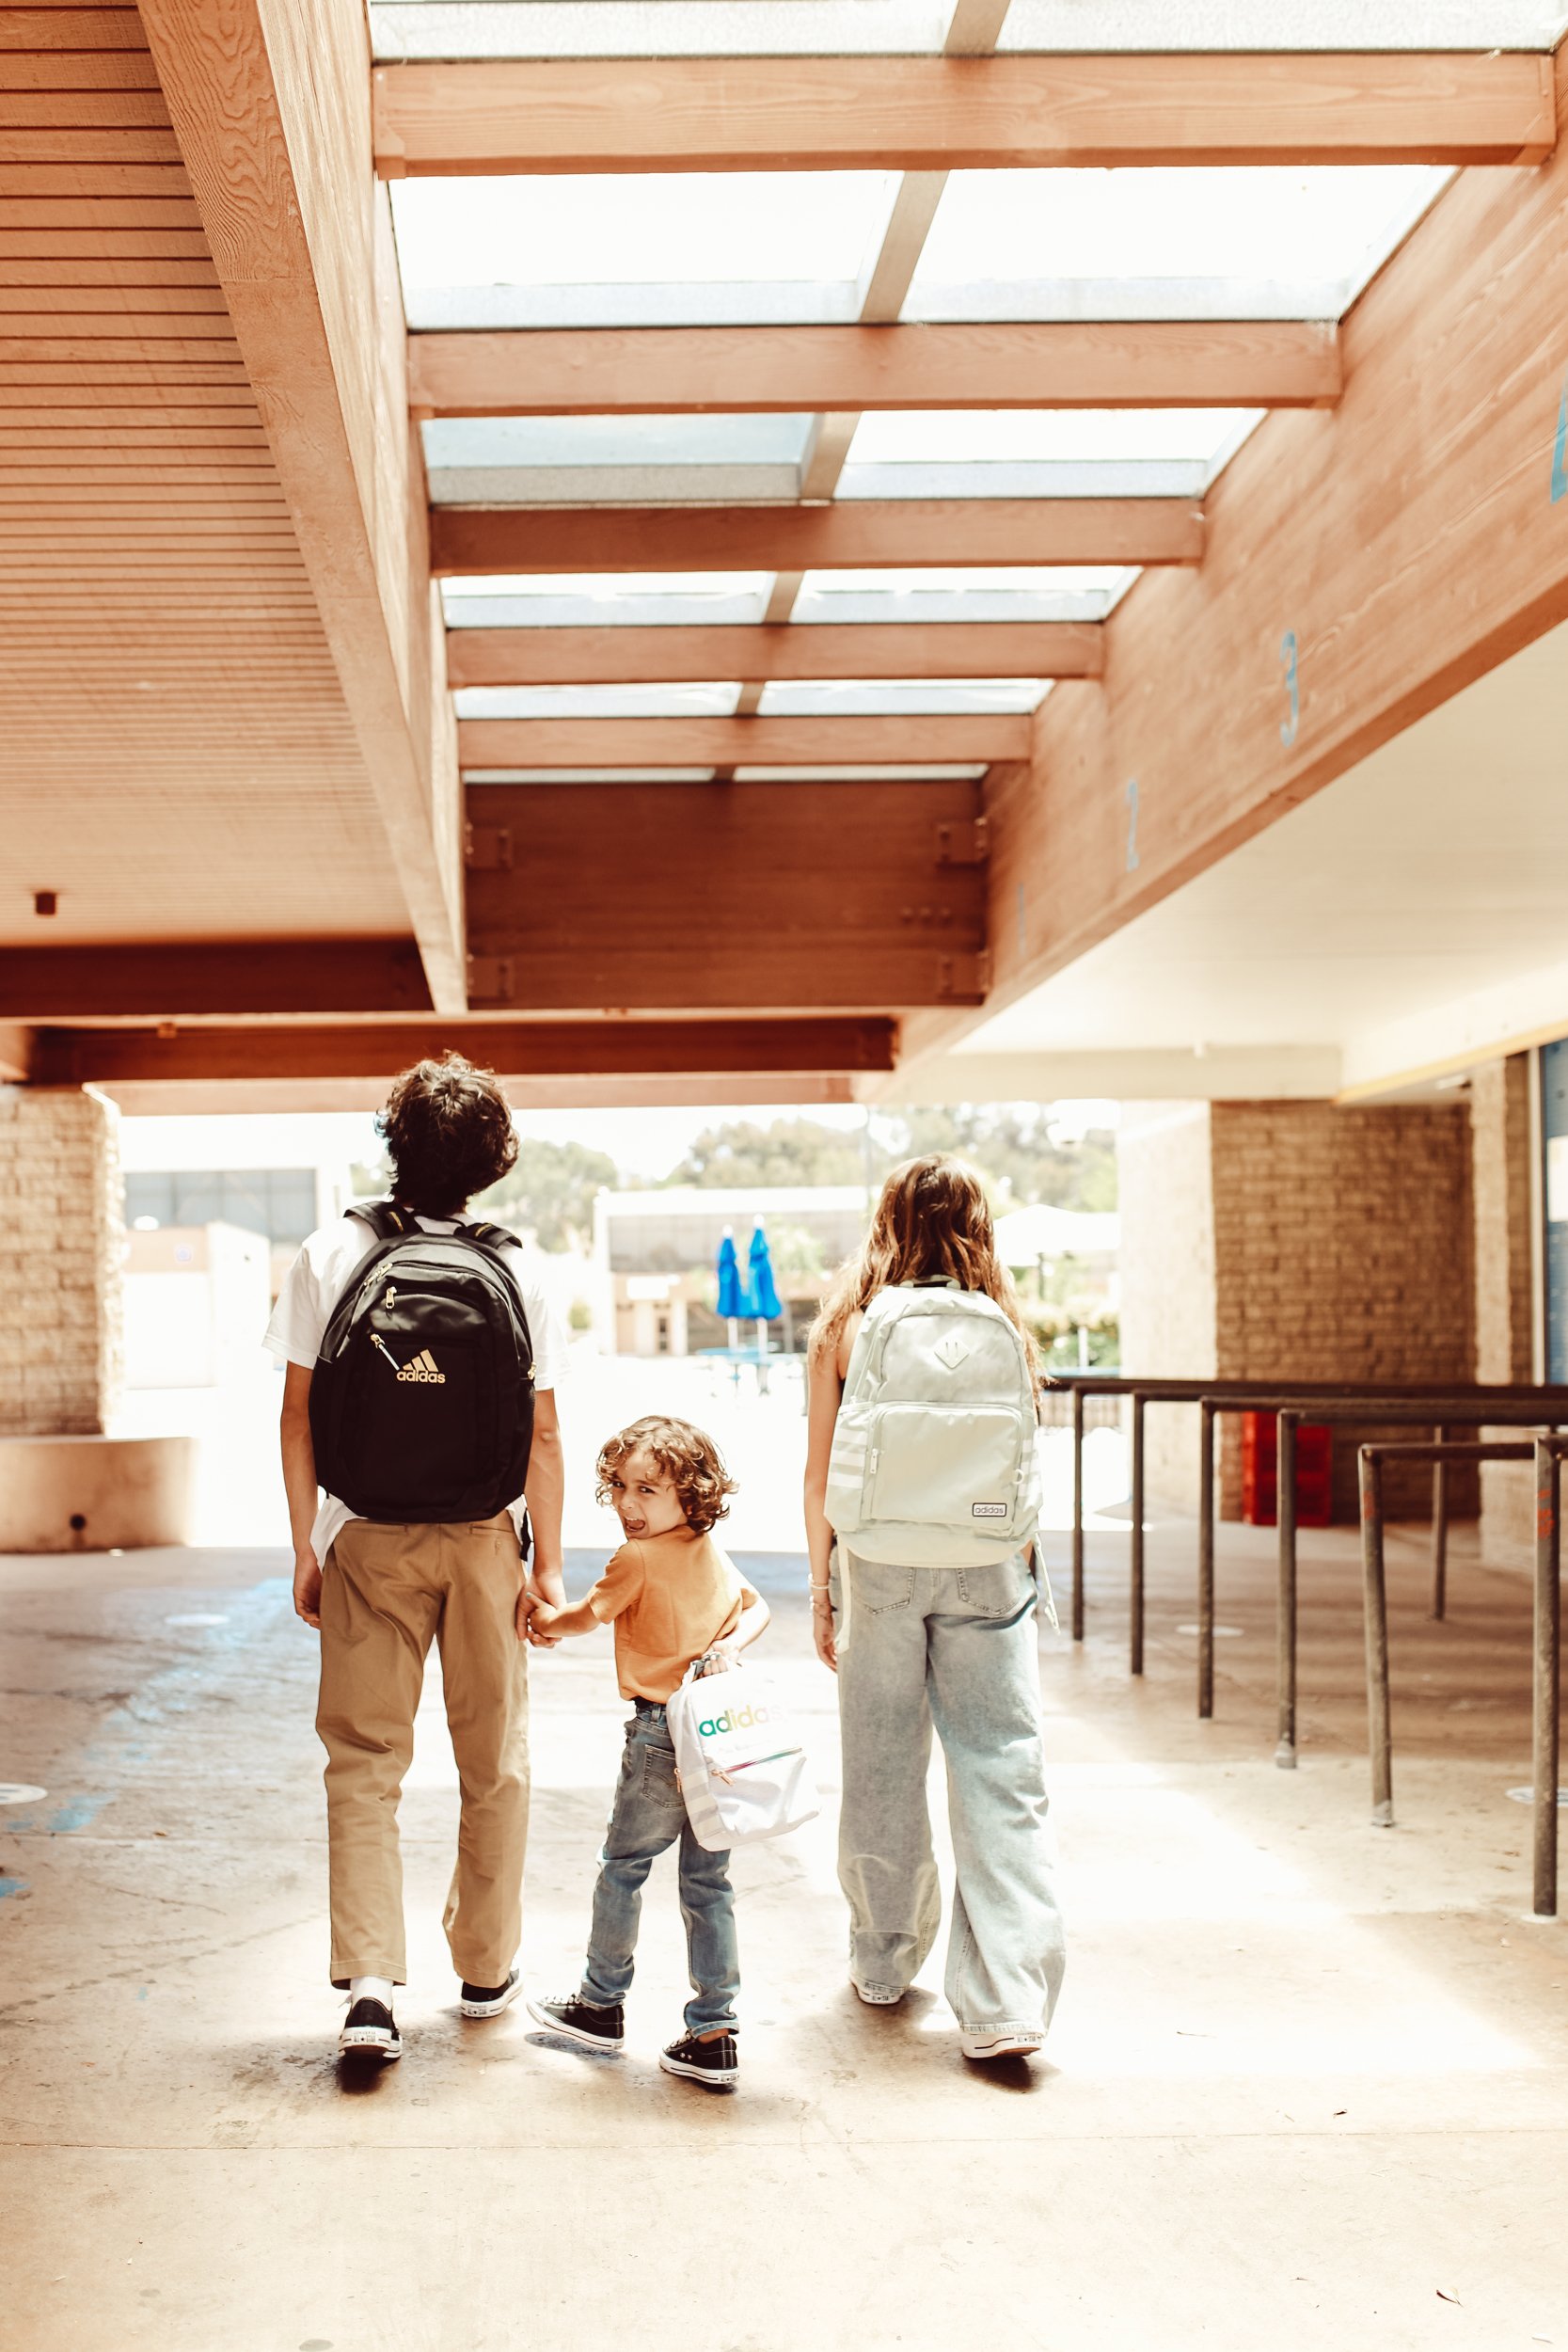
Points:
(462, 1455)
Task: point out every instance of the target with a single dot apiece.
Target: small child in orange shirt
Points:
(675, 1597)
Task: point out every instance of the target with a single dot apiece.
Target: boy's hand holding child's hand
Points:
(541, 1618)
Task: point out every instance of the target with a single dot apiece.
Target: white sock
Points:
(370, 1989)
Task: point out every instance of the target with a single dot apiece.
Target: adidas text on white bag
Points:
(743, 1771)
(934, 1460)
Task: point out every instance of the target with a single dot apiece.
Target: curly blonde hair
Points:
(686, 1455)
(931, 1223)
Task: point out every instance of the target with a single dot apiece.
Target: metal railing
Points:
(1546, 1453)
(1471, 1410)
(1433, 1405)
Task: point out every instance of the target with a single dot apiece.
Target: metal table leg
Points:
(1548, 1539)
(1375, 1606)
(1284, 1754)
(1077, 1514)
(1136, 1642)
(1206, 1562)
(1440, 1532)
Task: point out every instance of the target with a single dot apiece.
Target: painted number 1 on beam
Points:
(1288, 657)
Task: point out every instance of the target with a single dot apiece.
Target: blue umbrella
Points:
(764, 1302)
(733, 1301)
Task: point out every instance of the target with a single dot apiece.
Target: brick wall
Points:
(1342, 1241)
(1505, 1302)
(62, 1248)
(1298, 1240)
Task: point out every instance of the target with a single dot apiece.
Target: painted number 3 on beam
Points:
(1288, 657)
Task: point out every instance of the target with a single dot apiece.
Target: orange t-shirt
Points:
(672, 1597)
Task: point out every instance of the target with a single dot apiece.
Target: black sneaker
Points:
(577, 2020)
(488, 2000)
(716, 2063)
(370, 2030)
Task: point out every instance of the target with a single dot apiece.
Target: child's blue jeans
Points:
(648, 1815)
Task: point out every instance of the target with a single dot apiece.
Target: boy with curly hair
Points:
(675, 1599)
(379, 1593)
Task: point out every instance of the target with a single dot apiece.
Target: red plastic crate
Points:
(1261, 1472)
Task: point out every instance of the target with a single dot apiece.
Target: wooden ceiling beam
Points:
(853, 535)
(946, 114)
(826, 650)
(61, 1057)
(269, 100)
(806, 742)
(665, 370)
(829, 896)
(1362, 569)
(229, 976)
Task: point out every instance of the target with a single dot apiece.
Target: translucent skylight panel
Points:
(1058, 593)
(601, 600)
(800, 698)
(500, 461)
(868, 772)
(588, 775)
(656, 28)
(1264, 241)
(1001, 435)
(699, 440)
(1370, 24)
(657, 247)
(1065, 453)
(715, 700)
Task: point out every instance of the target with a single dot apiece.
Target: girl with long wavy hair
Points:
(932, 1642)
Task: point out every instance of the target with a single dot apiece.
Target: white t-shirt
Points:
(318, 1278)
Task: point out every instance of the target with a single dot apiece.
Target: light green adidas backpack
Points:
(933, 1461)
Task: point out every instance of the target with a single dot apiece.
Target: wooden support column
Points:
(950, 113)
(947, 738)
(270, 106)
(628, 654)
(196, 1057)
(1362, 566)
(856, 534)
(843, 897)
(1054, 363)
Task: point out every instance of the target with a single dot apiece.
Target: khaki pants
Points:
(386, 1592)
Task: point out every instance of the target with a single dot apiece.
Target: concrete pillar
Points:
(62, 1253)
(1292, 1240)
(1505, 1283)
(1165, 1195)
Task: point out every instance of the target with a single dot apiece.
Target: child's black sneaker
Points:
(370, 2030)
(488, 2000)
(577, 2020)
(715, 2062)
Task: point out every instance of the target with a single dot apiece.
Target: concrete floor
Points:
(1308, 2084)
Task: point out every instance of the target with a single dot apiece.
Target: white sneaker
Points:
(981, 2046)
(877, 1996)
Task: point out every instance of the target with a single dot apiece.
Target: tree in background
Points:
(1013, 1145)
(1017, 1146)
(550, 1192)
(789, 1152)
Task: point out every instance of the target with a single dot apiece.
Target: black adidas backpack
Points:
(422, 1402)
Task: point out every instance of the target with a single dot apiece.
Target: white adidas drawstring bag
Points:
(743, 1771)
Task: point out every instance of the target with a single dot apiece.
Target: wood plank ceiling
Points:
(183, 777)
(177, 760)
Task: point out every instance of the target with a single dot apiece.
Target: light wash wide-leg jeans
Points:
(957, 1648)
